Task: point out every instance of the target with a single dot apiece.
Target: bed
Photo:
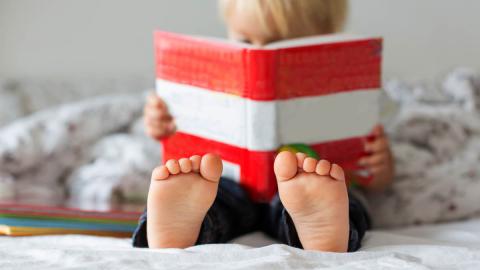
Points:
(448, 246)
(437, 129)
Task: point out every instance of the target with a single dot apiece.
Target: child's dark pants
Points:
(233, 214)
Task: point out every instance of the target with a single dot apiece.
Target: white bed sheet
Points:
(448, 246)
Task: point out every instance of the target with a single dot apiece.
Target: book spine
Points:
(260, 70)
(260, 74)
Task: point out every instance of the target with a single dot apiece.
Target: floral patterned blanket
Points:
(435, 138)
(90, 154)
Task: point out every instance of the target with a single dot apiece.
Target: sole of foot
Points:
(181, 192)
(315, 195)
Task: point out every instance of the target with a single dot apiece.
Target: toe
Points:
(196, 163)
(285, 166)
(160, 173)
(211, 167)
(173, 166)
(337, 172)
(185, 165)
(309, 165)
(323, 167)
(301, 159)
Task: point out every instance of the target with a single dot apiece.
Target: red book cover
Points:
(245, 102)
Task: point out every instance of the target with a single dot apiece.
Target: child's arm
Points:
(379, 162)
(159, 124)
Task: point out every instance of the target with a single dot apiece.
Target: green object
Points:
(300, 148)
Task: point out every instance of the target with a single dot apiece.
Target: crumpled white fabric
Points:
(435, 139)
(452, 246)
(41, 150)
(117, 170)
(7, 187)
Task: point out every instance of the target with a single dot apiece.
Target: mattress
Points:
(446, 246)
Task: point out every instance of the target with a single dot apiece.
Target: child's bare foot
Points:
(315, 195)
(181, 193)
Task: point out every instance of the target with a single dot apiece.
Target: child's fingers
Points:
(156, 119)
(379, 145)
(171, 128)
(151, 134)
(378, 131)
(162, 126)
(374, 160)
(156, 113)
(154, 132)
(154, 107)
(156, 135)
(159, 124)
(161, 130)
(379, 171)
(154, 101)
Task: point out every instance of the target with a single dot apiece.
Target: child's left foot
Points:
(315, 195)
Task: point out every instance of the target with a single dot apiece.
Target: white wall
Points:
(423, 38)
(65, 38)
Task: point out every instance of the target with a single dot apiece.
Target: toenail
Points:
(337, 172)
(173, 166)
(301, 159)
(309, 165)
(185, 165)
(323, 167)
(160, 173)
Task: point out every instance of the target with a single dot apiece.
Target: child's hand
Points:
(159, 123)
(379, 162)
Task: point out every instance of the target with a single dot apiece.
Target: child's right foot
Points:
(181, 193)
(315, 195)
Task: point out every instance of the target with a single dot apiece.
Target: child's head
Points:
(264, 21)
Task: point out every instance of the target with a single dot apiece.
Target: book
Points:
(28, 220)
(246, 103)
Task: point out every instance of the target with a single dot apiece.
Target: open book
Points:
(316, 95)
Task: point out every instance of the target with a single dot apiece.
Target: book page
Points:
(290, 43)
(315, 40)
(225, 41)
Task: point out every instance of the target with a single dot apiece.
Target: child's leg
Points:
(315, 196)
(359, 223)
(179, 216)
(279, 225)
(233, 214)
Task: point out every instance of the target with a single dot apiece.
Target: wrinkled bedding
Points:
(90, 154)
(93, 153)
(435, 139)
(451, 246)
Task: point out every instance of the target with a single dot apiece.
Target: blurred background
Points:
(113, 38)
(94, 151)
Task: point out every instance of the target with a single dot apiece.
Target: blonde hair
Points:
(292, 18)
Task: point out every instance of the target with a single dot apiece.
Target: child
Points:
(189, 203)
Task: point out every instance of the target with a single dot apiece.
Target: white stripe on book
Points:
(266, 125)
(231, 170)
